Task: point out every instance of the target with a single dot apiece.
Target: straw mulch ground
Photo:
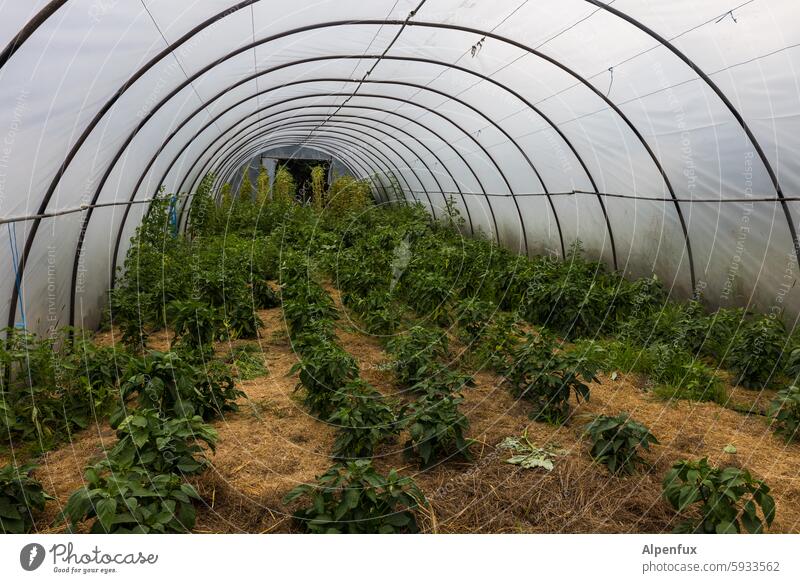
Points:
(272, 444)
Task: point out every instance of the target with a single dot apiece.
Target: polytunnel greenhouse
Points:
(399, 266)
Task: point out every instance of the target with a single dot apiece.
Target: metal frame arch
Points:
(602, 96)
(234, 148)
(388, 163)
(340, 119)
(234, 160)
(27, 31)
(314, 27)
(460, 102)
(429, 110)
(365, 107)
(464, 70)
(290, 122)
(467, 165)
(26, 251)
(410, 23)
(728, 104)
(362, 173)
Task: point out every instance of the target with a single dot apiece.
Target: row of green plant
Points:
(54, 385)
(539, 370)
(162, 435)
(393, 259)
(446, 277)
(708, 499)
(351, 496)
(161, 404)
(363, 272)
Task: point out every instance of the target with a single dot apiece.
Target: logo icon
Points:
(31, 556)
(402, 257)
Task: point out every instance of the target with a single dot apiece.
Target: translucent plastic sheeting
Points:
(662, 134)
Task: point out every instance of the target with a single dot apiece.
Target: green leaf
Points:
(106, 509)
(726, 527)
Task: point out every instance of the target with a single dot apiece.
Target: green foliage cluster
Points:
(174, 385)
(161, 444)
(436, 428)
(132, 500)
(756, 354)
(364, 419)
(785, 412)
(140, 486)
(616, 442)
(20, 496)
(716, 500)
(416, 353)
(204, 286)
(347, 194)
(51, 386)
(540, 373)
(354, 498)
(284, 189)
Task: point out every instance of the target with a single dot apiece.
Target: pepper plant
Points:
(20, 496)
(715, 500)
(616, 442)
(354, 498)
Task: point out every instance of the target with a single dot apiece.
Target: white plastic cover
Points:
(663, 133)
